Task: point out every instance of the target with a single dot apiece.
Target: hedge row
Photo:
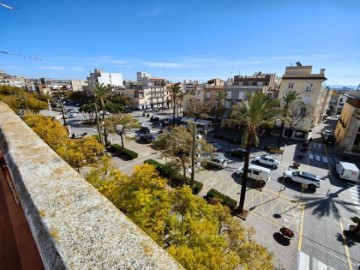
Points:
(214, 195)
(117, 149)
(176, 179)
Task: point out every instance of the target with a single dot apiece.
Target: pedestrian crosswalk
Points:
(355, 195)
(322, 158)
(306, 262)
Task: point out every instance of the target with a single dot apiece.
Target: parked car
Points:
(326, 133)
(310, 179)
(72, 115)
(348, 171)
(146, 138)
(330, 139)
(143, 130)
(267, 160)
(154, 119)
(256, 173)
(217, 146)
(216, 162)
(238, 152)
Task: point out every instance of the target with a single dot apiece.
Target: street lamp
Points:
(62, 110)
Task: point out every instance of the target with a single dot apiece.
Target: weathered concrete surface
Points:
(74, 226)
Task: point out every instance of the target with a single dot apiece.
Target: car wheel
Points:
(312, 187)
(288, 179)
(274, 167)
(262, 183)
(230, 154)
(257, 161)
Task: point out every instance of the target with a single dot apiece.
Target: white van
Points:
(347, 171)
(256, 173)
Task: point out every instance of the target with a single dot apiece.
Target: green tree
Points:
(196, 108)
(253, 112)
(288, 99)
(20, 100)
(126, 120)
(101, 92)
(77, 153)
(177, 145)
(220, 99)
(175, 92)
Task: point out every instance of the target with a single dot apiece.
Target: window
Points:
(309, 87)
(255, 172)
(241, 95)
(291, 85)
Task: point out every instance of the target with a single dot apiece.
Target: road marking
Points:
(345, 245)
(319, 265)
(304, 261)
(301, 227)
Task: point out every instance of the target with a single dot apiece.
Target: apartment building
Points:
(211, 90)
(149, 92)
(242, 86)
(108, 79)
(347, 131)
(300, 78)
(9, 80)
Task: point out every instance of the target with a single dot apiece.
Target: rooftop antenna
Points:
(6, 6)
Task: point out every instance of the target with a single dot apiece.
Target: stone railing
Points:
(73, 225)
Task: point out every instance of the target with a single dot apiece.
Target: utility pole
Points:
(193, 155)
(62, 111)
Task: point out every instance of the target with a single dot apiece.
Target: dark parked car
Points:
(330, 139)
(143, 130)
(146, 138)
(238, 152)
(154, 119)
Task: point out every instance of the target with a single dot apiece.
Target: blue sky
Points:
(180, 40)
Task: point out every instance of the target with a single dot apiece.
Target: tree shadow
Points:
(330, 204)
(350, 239)
(281, 239)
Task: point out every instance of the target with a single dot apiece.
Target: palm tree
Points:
(220, 96)
(258, 109)
(289, 98)
(175, 92)
(101, 92)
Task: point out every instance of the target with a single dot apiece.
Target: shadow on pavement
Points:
(330, 204)
(351, 238)
(281, 239)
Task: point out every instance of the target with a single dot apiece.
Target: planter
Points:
(287, 233)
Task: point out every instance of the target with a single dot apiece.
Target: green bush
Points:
(175, 178)
(216, 195)
(116, 148)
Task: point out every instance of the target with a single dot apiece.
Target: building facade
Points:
(300, 78)
(347, 131)
(108, 79)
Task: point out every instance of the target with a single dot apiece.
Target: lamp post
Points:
(62, 110)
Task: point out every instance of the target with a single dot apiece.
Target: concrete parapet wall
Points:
(73, 225)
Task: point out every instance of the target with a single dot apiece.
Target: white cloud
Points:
(151, 13)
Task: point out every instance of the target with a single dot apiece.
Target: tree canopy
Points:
(198, 235)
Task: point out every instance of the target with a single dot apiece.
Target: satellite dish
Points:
(119, 129)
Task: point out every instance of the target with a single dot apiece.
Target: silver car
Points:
(310, 179)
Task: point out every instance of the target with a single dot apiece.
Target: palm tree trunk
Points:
(97, 122)
(244, 176)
